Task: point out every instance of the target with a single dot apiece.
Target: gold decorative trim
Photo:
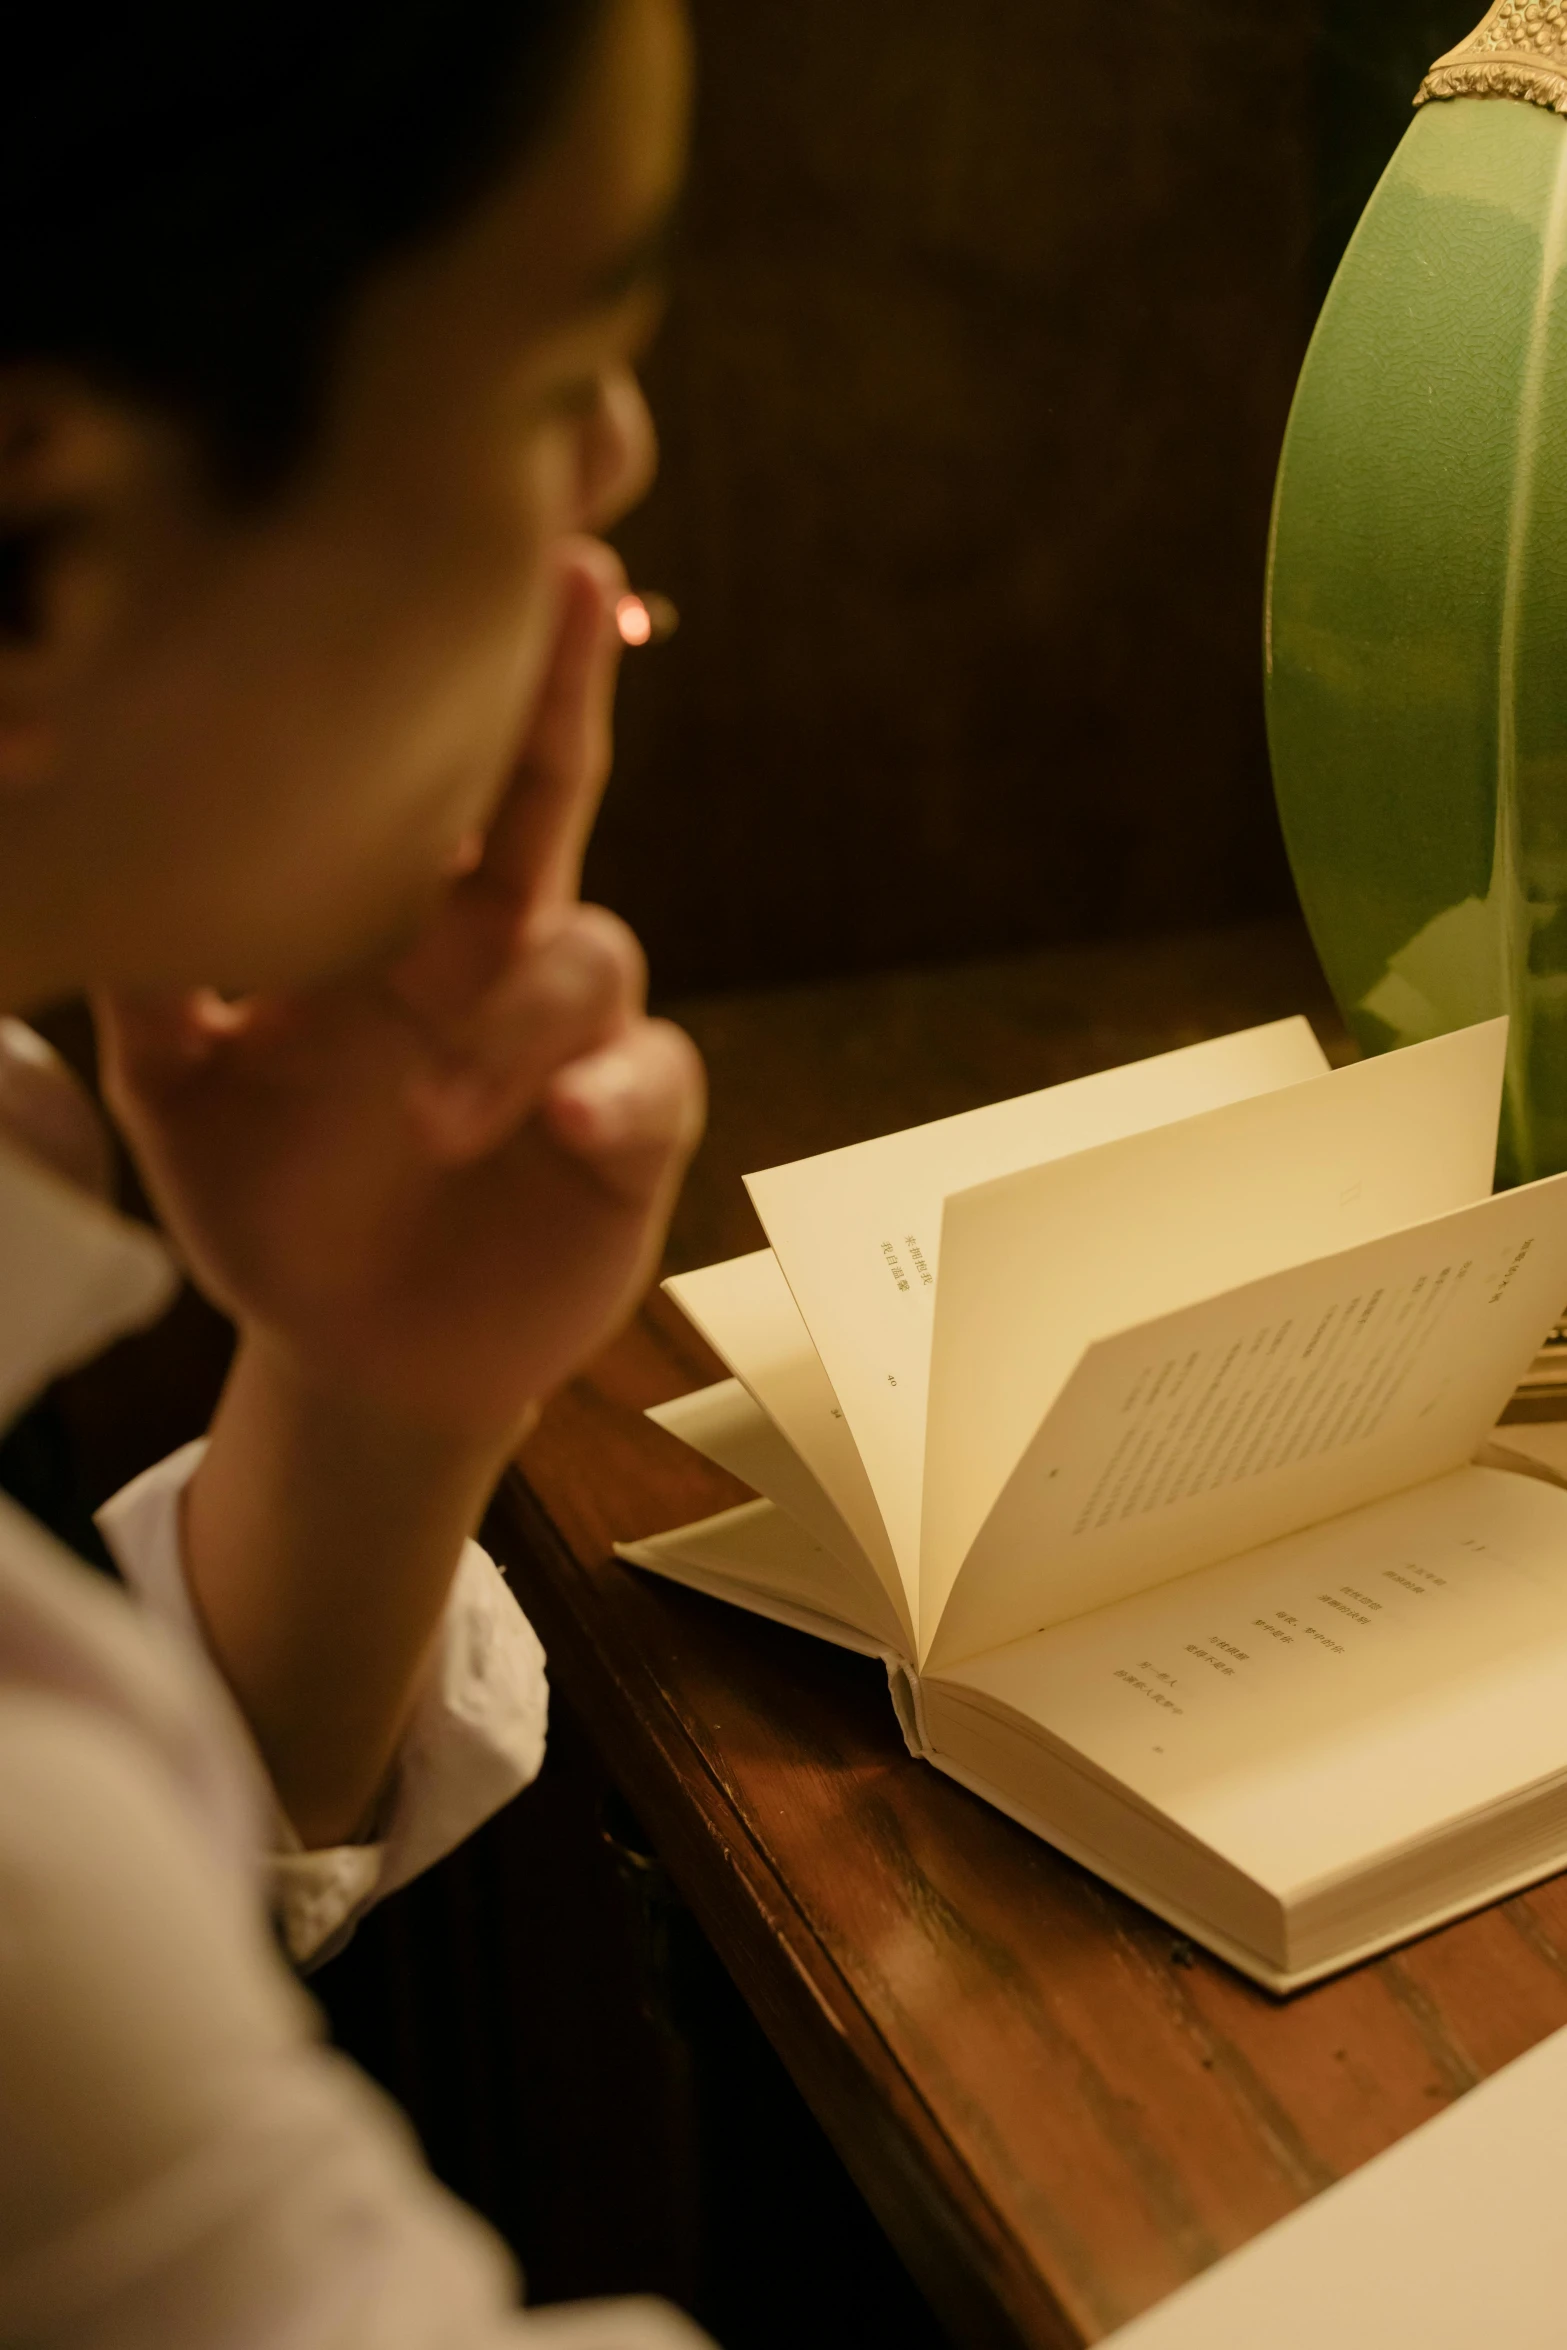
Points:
(1519, 50)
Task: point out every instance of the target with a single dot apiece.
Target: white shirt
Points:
(181, 2163)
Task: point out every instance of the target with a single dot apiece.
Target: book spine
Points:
(908, 1703)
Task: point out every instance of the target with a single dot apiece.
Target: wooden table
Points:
(1058, 2109)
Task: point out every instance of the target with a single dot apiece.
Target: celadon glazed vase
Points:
(1416, 640)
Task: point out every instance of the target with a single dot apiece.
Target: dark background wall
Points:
(983, 342)
(982, 347)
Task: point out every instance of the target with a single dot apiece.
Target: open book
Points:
(1132, 1424)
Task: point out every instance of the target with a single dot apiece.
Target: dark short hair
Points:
(191, 195)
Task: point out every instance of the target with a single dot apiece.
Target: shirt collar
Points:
(73, 1276)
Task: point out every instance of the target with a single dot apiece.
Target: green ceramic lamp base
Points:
(1417, 590)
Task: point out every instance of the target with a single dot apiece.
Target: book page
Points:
(1541, 1444)
(758, 1557)
(858, 1231)
(727, 1425)
(1268, 1408)
(1450, 2239)
(745, 1309)
(1318, 1702)
(1042, 1264)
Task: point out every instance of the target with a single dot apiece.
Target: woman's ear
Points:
(68, 461)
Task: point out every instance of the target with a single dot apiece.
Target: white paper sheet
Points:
(1451, 2239)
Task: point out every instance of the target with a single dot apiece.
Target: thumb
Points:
(632, 1113)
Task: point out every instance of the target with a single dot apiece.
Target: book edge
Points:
(1246, 1961)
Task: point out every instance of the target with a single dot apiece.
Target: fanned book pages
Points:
(1134, 1425)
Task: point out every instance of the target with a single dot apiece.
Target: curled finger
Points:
(571, 990)
(632, 1112)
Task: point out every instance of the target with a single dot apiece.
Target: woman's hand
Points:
(426, 1195)
(440, 1186)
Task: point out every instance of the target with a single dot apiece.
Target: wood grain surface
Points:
(1058, 2109)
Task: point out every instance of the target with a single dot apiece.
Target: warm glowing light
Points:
(634, 621)
(647, 619)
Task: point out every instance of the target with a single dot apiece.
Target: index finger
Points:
(535, 846)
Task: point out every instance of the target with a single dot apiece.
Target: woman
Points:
(317, 335)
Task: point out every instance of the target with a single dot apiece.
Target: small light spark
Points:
(648, 619)
(634, 621)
